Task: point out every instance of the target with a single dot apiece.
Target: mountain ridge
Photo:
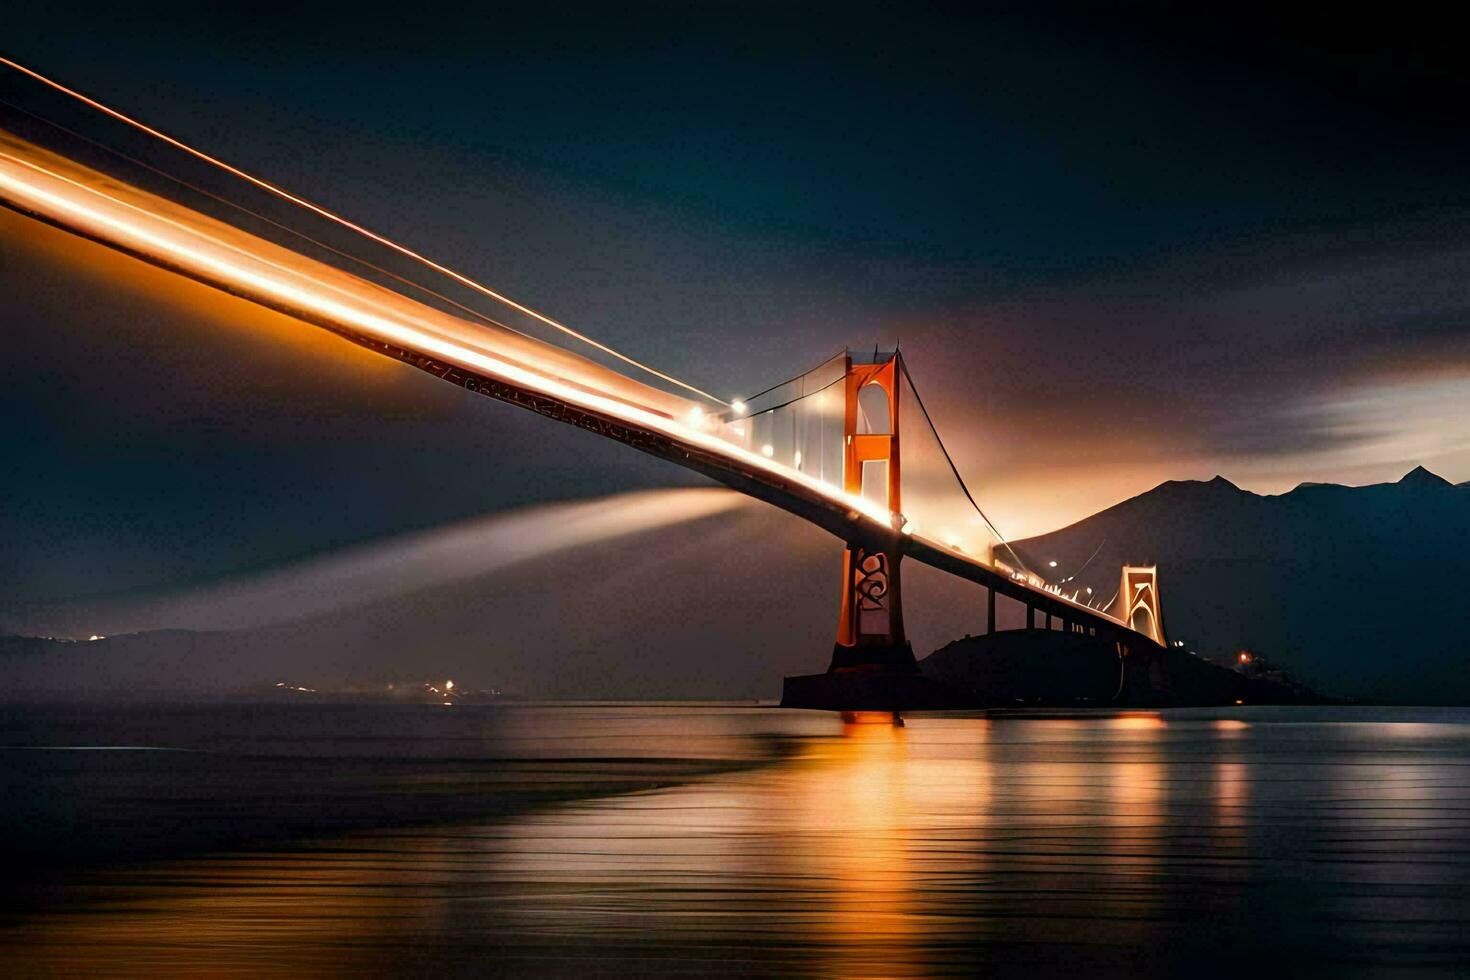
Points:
(1356, 588)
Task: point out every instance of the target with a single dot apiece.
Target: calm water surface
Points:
(659, 840)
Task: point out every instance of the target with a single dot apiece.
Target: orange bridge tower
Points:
(1138, 601)
(870, 622)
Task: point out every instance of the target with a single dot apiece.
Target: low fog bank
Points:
(376, 571)
(665, 594)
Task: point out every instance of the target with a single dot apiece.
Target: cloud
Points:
(1392, 425)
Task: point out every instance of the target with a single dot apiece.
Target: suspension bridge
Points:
(846, 445)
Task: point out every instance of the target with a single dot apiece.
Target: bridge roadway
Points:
(487, 359)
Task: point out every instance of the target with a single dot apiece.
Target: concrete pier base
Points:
(871, 690)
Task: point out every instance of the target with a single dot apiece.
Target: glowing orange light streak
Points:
(255, 257)
(97, 216)
(350, 225)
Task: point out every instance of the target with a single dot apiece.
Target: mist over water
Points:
(663, 595)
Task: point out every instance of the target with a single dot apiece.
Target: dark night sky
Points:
(1116, 248)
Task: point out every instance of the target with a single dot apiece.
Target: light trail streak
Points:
(294, 233)
(351, 226)
(304, 286)
(491, 337)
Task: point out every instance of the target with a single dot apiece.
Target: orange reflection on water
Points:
(1232, 790)
(1136, 721)
(1135, 820)
(854, 806)
(887, 817)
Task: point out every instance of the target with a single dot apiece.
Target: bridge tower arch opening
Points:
(1142, 621)
(874, 409)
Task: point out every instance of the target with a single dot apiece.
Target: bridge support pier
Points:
(989, 610)
(873, 666)
(870, 624)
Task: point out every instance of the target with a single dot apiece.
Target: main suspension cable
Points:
(952, 467)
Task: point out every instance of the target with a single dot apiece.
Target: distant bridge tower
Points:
(1138, 601)
(870, 624)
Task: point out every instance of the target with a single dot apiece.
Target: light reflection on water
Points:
(1149, 844)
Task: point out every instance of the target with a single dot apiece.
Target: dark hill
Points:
(1052, 669)
(1360, 591)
